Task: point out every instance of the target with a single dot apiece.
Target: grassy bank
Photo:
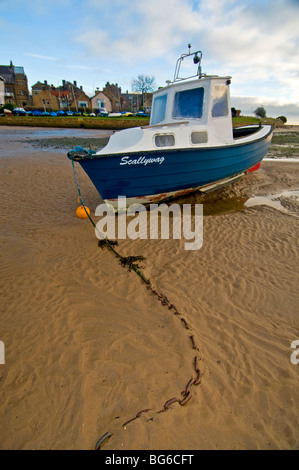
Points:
(116, 123)
(75, 122)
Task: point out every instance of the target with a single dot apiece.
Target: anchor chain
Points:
(130, 263)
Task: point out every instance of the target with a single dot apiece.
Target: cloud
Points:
(39, 56)
(274, 107)
(141, 29)
(251, 40)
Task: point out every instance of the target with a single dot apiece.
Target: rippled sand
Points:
(87, 346)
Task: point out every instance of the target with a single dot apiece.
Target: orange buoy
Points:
(80, 212)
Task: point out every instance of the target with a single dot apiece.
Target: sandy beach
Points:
(88, 346)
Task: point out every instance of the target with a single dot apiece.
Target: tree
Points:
(260, 112)
(9, 106)
(143, 84)
(282, 118)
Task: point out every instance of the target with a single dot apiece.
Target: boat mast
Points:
(197, 56)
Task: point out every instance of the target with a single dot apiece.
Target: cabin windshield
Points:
(189, 103)
(159, 109)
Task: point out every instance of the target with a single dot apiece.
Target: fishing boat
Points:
(189, 145)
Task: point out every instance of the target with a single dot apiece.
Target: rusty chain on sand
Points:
(129, 262)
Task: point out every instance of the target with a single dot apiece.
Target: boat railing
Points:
(166, 124)
(197, 56)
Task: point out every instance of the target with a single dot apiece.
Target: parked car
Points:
(142, 114)
(102, 112)
(19, 112)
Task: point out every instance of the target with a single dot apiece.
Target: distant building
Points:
(43, 97)
(113, 92)
(2, 91)
(99, 100)
(134, 102)
(66, 97)
(72, 97)
(15, 85)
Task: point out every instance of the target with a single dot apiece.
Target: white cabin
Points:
(204, 103)
(188, 113)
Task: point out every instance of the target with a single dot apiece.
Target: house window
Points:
(159, 108)
(164, 140)
(101, 104)
(220, 106)
(188, 103)
(82, 104)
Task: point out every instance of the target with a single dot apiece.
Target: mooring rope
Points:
(130, 263)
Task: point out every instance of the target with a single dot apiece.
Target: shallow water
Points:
(22, 132)
(287, 202)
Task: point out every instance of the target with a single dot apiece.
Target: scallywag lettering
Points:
(141, 161)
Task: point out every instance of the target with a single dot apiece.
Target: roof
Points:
(61, 93)
(7, 73)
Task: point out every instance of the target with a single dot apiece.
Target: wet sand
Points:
(87, 346)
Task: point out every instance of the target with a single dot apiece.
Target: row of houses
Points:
(14, 89)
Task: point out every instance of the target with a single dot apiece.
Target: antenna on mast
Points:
(197, 56)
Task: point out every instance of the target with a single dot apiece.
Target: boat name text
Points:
(141, 161)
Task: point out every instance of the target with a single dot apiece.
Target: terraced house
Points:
(43, 97)
(15, 85)
(66, 97)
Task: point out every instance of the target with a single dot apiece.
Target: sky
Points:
(256, 42)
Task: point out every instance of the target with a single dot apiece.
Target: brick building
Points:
(15, 85)
(113, 92)
(43, 97)
(66, 97)
(72, 97)
(134, 102)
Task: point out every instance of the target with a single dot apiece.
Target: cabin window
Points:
(188, 103)
(220, 105)
(159, 108)
(164, 140)
(199, 137)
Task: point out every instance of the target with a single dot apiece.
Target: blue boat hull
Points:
(153, 173)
